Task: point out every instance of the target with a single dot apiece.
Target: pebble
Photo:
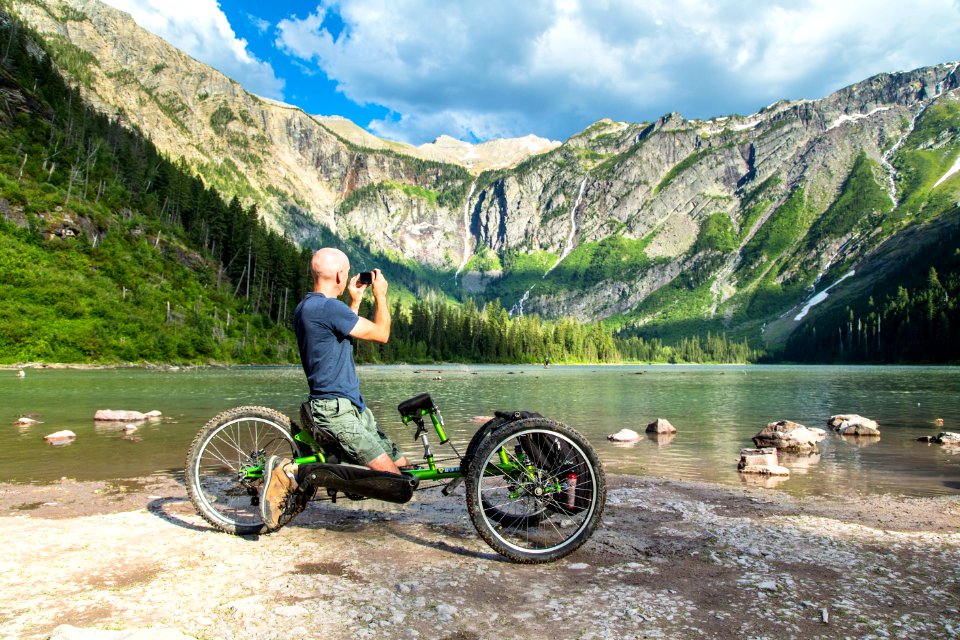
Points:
(767, 585)
(577, 566)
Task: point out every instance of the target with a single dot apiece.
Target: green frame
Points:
(429, 472)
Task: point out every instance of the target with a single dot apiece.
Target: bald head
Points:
(327, 264)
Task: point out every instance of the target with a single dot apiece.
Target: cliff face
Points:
(623, 219)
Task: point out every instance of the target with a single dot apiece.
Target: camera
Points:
(365, 277)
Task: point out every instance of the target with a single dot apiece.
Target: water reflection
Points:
(761, 480)
(799, 463)
(661, 439)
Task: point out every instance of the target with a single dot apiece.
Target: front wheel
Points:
(223, 464)
(535, 490)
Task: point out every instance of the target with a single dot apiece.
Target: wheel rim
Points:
(225, 455)
(528, 514)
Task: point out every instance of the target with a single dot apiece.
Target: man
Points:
(325, 329)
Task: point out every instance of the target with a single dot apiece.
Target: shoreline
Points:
(672, 559)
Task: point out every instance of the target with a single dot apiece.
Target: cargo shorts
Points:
(358, 433)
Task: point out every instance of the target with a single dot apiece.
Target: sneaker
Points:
(279, 481)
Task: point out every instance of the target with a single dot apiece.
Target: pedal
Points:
(451, 486)
(333, 495)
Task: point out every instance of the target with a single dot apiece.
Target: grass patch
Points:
(680, 167)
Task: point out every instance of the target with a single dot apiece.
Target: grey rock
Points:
(853, 425)
(661, 425)
(789, 436)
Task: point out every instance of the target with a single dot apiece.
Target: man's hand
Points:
(356, 292)
(379, 329)
(380, 285)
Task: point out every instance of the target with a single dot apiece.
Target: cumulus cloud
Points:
(200, 28)
(553, 67)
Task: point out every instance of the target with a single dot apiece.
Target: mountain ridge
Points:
(637, 223)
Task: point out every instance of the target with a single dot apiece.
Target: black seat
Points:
(412, 408)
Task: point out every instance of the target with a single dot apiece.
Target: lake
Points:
(716, 409)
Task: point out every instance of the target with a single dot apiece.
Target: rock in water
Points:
(763, 461)
(110, 415)
(790, 437)
(624, 435)
(853, 425)
(946, 438)
(661, 425)
(949, 439)
(60, 437)
(24, 421)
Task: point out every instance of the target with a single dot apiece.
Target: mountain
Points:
(662, 228)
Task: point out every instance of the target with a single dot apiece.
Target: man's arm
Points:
(379, 329)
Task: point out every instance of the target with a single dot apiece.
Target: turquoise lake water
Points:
(717, 409)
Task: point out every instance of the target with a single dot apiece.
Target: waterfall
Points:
(885, 160)
(568, 246)
(466, 231)
(518, 308)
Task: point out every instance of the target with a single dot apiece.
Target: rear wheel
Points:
(531, 506)
(226, 448)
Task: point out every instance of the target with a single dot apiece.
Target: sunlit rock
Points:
(762, 461)
(853, 425)
(661, 425)
(60, 437)
(789, 436)
(624, 435)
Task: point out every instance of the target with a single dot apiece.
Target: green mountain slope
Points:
(111, 253)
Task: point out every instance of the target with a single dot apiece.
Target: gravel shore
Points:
(672, 560)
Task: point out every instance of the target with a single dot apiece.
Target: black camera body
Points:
(365, 277)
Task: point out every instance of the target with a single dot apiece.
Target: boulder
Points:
(763, 461)
(624, 435)
(24, 421)
(853, 425)
(949, 439)
(789, 436)
(661, 425)
(110, 415)
(60, 437)
(946, 438)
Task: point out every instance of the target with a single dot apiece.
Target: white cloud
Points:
(552, 67)
(200, 28)
(259, 24)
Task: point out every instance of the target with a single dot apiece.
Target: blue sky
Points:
(412, 70)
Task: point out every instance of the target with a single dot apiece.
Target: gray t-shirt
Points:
(323, 327)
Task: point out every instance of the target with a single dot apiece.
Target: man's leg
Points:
(358, 434)
(391, 458)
